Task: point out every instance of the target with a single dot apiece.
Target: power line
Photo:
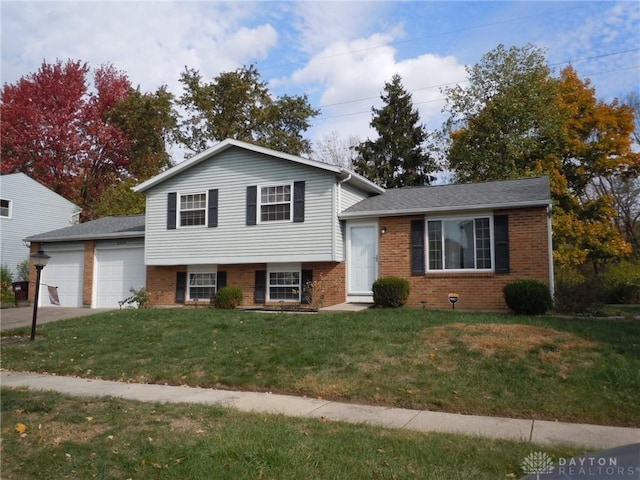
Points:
(444, 99)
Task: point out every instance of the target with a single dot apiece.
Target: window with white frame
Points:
(284, 284)
(459, 244)
(5, 208)
(193, 209)
(275, 203)
(202, 285)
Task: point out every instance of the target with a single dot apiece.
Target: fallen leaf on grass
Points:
(21, 428)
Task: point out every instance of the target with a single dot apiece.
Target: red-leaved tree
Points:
(56, 129)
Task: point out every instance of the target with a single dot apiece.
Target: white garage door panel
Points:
(65, 271)
(118, 270)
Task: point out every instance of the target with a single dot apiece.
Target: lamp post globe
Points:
(39, 260)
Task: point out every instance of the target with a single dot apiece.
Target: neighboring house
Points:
(93, 264)
(272, 223)
(28, 207)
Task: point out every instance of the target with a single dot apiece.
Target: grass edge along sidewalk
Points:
(543, 368)
(55, 436)
(537, 432)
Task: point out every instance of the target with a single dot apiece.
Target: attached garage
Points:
(118, 269)
(65, 270)
(93, 264)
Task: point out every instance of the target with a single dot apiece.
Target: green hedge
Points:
(228, 298)
(390, 291)
(528, 297)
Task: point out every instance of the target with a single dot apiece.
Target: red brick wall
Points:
(161, 281)
(529, 259)
(87, 282)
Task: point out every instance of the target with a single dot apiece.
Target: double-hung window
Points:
(5, 208)
(202, 284)
(460, 244)
(284, 284)
(193, 209)
(275, 203)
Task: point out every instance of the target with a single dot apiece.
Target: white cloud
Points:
(353, 74)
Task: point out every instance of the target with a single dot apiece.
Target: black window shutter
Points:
(501, 243)
(171, 210)
(298, 201)
(181, 287)
(221, 280)
(252, 204)
(260, 289)
(213, 208)
(307, 278)
(417, 247)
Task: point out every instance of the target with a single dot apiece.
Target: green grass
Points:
(578, 370)
(67, 437)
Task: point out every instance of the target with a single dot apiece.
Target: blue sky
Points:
(338, 53)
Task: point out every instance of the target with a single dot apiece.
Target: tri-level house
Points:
(265, 221)
(273, 224)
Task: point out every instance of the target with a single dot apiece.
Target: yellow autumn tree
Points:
(515, 119)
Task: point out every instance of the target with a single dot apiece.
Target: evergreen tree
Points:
(397, 157)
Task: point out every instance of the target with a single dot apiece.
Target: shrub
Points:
(621, 283)
(577, 295)
(23, 270)
(228, 297)
(528, 297)
(390, 291)
(8, 298)
(138, 299)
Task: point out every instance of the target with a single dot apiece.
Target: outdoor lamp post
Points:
(39, 260)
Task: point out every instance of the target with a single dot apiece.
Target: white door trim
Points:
(354, 295)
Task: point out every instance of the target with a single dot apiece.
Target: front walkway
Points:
(539, 432)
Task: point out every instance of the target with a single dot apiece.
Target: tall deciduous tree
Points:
(83, 142)
(515, 120)
(148, 120)
(239, 105)
(397, 158)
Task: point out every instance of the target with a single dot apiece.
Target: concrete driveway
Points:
(11, 318)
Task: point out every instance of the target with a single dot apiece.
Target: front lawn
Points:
(576, 370)
(51, 436)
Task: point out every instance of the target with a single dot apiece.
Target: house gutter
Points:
(552, 280)
(426, 210)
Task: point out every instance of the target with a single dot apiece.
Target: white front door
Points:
(363, 261)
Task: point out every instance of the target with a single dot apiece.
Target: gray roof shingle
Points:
(440, 198)
(108, 227)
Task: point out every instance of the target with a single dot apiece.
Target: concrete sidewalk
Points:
(536, 431)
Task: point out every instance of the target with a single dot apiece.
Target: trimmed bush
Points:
(527, 297)
(228, 297)
(390, 291)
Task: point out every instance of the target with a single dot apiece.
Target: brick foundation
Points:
(330, 278)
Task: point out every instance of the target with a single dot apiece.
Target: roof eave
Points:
(76, 238)
(457, 208)
(221, 147)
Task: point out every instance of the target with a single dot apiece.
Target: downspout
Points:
(550, 247)
(335, 218)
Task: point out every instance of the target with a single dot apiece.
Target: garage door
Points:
(65, 271)
(118, 270)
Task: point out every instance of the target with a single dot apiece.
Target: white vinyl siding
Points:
(33, 209)
(231, 172)
(347, 197)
